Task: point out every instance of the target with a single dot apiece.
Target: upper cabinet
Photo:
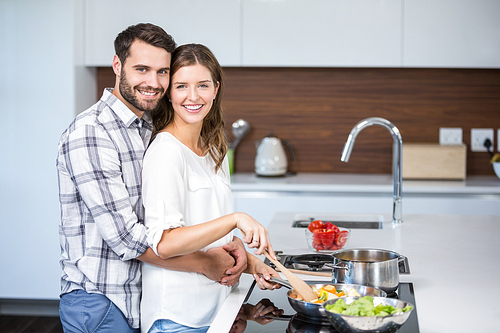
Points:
(214, 23)
(320, 33)
(452, 33)
(333, 33)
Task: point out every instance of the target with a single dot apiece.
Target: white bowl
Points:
(496, 167)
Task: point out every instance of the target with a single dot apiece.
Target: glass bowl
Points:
(327, 241)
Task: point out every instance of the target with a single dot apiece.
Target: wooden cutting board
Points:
(434, 161)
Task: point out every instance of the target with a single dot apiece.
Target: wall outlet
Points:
(478, 136)
(450, 136)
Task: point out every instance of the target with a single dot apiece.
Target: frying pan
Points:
(315, 310)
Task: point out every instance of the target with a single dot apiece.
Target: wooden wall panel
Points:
(315, 109)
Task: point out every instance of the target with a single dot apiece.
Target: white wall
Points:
(37, 94)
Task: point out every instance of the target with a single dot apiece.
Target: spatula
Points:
(297, 283)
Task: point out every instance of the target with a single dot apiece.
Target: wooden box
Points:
(434, 161)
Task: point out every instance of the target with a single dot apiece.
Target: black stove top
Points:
(291, 322)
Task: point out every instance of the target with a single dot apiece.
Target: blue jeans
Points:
(165, 325)
(83, 312)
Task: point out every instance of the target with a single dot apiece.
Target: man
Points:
(102, 232)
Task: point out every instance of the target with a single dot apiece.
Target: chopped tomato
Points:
(317, 237)
(318, 224)
(334, 247)
(325, 236)
(341, 238)
(318, 247)
(330, 225)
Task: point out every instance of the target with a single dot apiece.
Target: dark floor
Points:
(29, 324)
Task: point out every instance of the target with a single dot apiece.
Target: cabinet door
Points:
(452, 33)
(214, 23)
(332, 33)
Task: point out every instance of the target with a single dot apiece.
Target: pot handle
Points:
(404, 267)
(340, 267)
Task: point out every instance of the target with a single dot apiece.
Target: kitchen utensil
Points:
(298, 284)
(387, 324)
(313, 273)
(271, 158)
(240, 129)
(316, 310)
(371, 267)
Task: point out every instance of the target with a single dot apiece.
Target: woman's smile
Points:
(193, 107)
(192, 93)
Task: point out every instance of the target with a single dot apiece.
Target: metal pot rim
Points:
(338, 255)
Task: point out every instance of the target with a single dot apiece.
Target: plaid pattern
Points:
(102, 219)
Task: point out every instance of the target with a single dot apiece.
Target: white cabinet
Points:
(215, 23)
(333, 33)
(452, 33)
(321, 33)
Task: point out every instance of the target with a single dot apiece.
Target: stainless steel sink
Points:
(351, 221)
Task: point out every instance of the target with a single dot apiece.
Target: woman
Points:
(187, 197)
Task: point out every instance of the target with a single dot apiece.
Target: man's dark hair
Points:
(146, 32)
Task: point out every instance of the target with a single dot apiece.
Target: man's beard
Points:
(127, 93)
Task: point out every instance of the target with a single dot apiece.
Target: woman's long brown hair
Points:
(212, 131)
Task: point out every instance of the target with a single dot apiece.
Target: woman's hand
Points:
(264, 308)
(262, 273)
(254, 234)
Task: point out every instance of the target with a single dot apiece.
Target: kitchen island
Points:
(454, 263)
(263, 197)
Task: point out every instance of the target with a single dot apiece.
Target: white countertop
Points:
(362, 183)
(454, 263)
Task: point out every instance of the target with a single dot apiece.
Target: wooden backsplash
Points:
(315, 109)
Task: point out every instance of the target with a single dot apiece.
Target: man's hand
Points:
(237, 250)
(217, 264)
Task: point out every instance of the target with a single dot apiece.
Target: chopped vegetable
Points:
(330, 288)
(327, 236)
(328, 292)
(364, 307)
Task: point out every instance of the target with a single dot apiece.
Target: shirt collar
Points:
(123, 112)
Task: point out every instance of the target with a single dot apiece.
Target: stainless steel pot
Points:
(370, 267)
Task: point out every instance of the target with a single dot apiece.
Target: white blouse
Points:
(179, 189)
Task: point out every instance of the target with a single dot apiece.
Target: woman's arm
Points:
(165, 190)
(188, 239)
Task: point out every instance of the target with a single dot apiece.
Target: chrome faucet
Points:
(397, 158)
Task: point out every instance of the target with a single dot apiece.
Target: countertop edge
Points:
(362, 183)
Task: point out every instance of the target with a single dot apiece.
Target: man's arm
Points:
(213, 263)
(223, 264)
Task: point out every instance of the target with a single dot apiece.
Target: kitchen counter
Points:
(453, 261)
(364, 183)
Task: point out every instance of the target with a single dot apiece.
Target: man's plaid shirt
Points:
(102, 219)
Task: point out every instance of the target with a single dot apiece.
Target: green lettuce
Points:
(364, 307)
